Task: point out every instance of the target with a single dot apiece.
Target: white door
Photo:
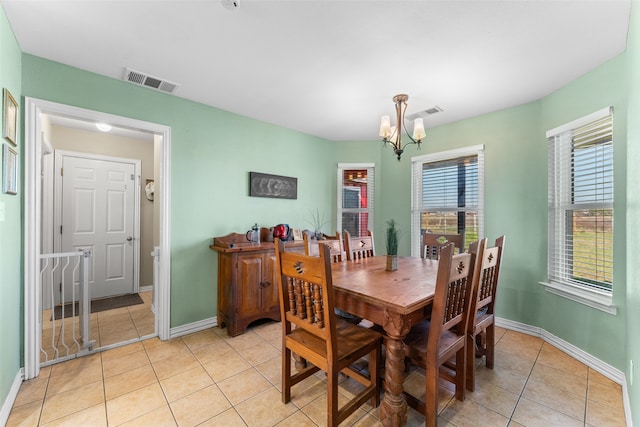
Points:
(98, 213)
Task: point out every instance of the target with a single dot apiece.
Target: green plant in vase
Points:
(391, 242)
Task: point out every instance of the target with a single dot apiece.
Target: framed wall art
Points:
(10, 118)
(275, 186)
(9, 170)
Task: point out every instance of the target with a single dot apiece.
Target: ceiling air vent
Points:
(424, 113)
(143, 79)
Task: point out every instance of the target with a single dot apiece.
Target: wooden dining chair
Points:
(432, 243)
(311, 330)
(432, 343)
(334, 242)
(358, 247)
(338, 254)
(481, 331)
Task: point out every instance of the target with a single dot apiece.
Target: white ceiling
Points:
(330, 68)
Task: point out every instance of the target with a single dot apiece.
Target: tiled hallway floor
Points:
(209, 379)
(107, 328)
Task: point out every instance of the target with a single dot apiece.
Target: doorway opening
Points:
(133, 157)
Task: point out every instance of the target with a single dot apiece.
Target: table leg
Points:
(393, 408)
(300, 363)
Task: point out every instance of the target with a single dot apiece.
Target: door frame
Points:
(33, 210)
(59, 156)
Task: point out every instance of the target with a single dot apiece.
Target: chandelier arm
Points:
(413, 141)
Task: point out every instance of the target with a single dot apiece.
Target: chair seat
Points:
(416, 342)
(352, 343)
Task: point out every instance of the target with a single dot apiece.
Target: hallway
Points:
(107, 327)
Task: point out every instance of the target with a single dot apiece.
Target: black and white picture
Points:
(275, 186)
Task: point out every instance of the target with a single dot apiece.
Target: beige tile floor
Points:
(209, 379)
(107, 327)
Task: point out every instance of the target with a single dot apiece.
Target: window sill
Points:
(599, 300)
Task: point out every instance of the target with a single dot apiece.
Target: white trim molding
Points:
(190, 328)
(11, 397)
(34, 108)
(371, 204)
(593, 298)
(449, 154)
(605, 369)
(581, 121)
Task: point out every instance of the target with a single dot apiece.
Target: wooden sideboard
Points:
(247, 281)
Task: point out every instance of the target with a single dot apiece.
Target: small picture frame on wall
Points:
(9, 170)
(10, 118)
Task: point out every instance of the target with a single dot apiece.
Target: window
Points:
(355, 198)
(581, 204)
(447, 194)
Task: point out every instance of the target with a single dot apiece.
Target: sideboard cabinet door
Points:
(251, 276)
(247, 282)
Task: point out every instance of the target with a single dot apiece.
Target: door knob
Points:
(129, 238)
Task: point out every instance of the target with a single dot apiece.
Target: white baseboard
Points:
(605, 369)
(145, 288)
(190, 328)
(518, 327)
(11, 397)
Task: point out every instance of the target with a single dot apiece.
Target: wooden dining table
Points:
(394, 300)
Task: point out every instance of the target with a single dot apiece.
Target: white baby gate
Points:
(65, 329)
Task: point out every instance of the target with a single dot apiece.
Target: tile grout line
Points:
(104, 390)
(524, 386)
(159, 385)
(544, 405)
(586, 396)
(214, 383)
(44, 397)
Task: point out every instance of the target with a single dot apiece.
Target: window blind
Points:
(450, 185)
(447, 194)
(581, 204)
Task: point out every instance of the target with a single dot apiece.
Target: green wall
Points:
(11, 323)
(212, 153)
(515, 199)
(576, 323)
(633, 209)
(516, 203)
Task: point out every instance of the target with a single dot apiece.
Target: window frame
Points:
(370, 167)
(417, 163)
(595, 297)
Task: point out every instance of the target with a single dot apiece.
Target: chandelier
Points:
(393, 134)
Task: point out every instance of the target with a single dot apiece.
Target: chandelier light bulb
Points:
(385, 127)
(418, 129)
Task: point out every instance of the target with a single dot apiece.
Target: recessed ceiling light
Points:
(104, 127)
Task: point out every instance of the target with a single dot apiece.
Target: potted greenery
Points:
(393, 236)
